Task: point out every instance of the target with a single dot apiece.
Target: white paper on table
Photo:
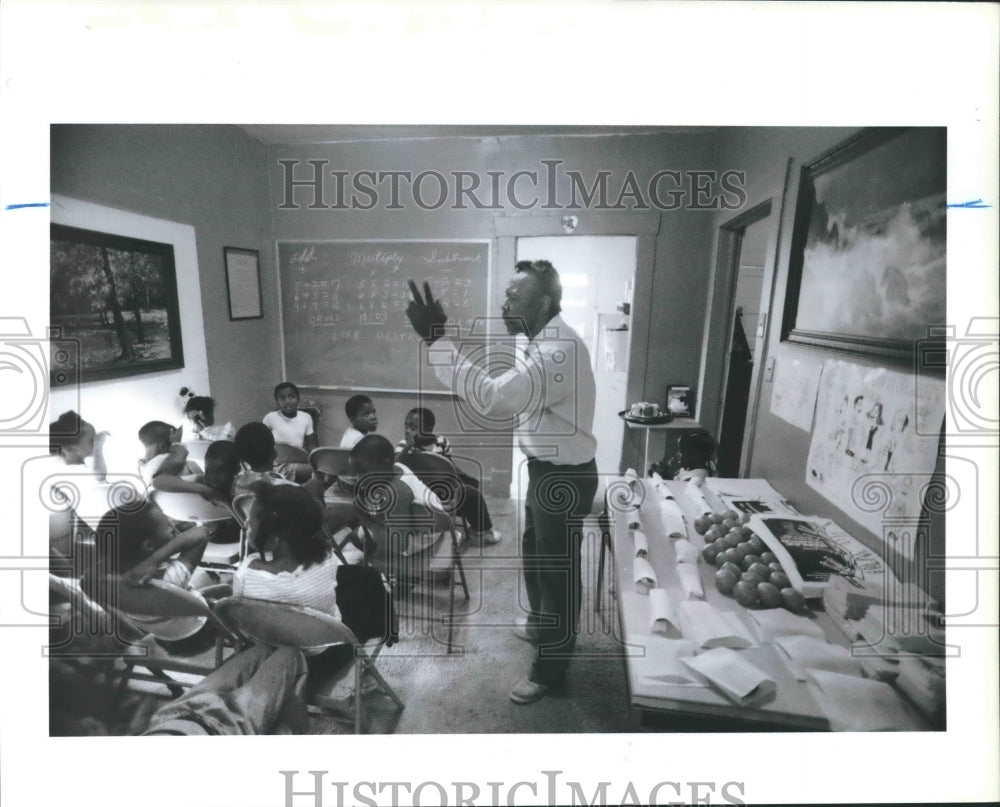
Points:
(686, 552)
(662, 614)
(774, 622)
(690, 581)
(644, 575)
(660, 486)
(672, 518)
(662, 662)
(634, 521)
(858, 704)
(804, 654)
(708, 627)
(640, 543)
(738, 679)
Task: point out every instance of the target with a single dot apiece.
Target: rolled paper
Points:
(661, 612)
(687, 573)
(686, 552)
(641, 544)
(630, 474)
(644, 575)
(673, 520)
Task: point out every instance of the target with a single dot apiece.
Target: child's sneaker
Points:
(486, 537)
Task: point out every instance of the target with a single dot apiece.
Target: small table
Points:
(689, 424)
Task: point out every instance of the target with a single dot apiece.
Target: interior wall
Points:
(679, 276)
(212, 178)
(781, 450)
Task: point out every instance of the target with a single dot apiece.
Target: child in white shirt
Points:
(291, 427)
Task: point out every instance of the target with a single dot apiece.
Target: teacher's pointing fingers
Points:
(425, 313)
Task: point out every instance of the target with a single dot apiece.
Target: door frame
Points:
(718, 334)
(643, 226)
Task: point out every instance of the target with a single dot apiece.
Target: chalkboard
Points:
(343, 308)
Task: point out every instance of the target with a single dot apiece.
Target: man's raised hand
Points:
(425, 313)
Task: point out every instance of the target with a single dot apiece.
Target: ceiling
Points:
(303, 134)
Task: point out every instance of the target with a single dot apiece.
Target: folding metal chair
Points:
(285, 625)
(157, 598)
(338, 500)
(413, 554)
(194, 508)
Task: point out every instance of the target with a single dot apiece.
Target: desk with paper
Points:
(693, 652)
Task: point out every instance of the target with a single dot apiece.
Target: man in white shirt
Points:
(549, 396)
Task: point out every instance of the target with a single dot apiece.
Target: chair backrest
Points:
(241, 508)
(332, 461)
(152, 598)
(467, 466)
(282, 624)
(439, 474)
(190, 507)
(289, 453)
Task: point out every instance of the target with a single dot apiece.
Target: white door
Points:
(597, 274)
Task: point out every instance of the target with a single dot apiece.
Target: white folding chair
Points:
(194, 508)
(284, 625)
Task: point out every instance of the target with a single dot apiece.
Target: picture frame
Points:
(243, 283)
(866, 269)
(680, 401)
(114, 298)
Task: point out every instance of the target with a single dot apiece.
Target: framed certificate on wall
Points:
(243, 283)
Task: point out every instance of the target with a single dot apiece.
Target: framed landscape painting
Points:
(116, 298)
(866, 272)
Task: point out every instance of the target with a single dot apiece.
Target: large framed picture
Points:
(866, 272)
(116, 298)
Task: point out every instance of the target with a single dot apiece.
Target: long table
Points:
(794, 708)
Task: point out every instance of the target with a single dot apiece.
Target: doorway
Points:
(736, 320)
(597, 273)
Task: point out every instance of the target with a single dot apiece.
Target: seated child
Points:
(294, 563)
(137, 544)
(165, 454)
(221, 466)
(292, 427)
(361, 412)
(393, 506)
(255, 449)
(420, 439)
(200, 413)
(418, 434)
(694, 460)
(222, 463)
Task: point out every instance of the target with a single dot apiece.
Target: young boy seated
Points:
(138, 543)
(393, 507)
(421, 440)
(418, 434)
(165, 454)
(255, 449)
(291, 427)
(694, 460)
(361, 412)
(221, 466)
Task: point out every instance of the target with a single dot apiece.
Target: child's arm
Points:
(173, 463)
(190, 544)
(310, 441)
(176, 484)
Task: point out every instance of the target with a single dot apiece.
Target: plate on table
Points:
(655, 420)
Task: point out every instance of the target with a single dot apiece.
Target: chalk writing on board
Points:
(343, 307)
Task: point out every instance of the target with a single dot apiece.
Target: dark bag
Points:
(366, 605)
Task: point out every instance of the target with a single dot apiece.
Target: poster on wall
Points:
(874, 445)
(794, 395)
